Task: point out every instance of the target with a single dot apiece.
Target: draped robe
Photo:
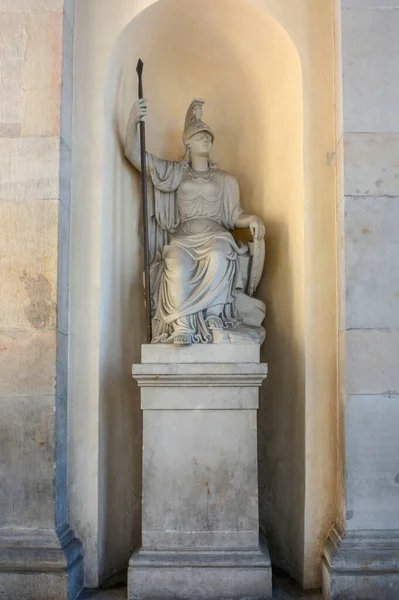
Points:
(195, 275)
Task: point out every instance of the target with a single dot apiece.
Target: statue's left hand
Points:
(256, 227)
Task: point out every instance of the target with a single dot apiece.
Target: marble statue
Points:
(202, 279)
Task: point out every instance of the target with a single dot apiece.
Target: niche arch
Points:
(237, 55)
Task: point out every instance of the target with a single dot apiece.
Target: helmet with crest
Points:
(194, 124)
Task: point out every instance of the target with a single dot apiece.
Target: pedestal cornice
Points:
(200, 375)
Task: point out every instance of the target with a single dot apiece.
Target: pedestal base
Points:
(200, 527)
(200, 575)
(363, 565)
(40, 564)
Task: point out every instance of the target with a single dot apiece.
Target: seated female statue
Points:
(195, 271)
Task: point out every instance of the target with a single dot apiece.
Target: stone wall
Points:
(367, 91)
(36, 45)
(369, 221)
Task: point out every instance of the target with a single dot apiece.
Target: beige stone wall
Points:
(35, 60)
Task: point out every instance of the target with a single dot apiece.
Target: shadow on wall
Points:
(281, 416)
(122, 330)
(192, 53)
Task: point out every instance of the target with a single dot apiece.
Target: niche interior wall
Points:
(266, 71)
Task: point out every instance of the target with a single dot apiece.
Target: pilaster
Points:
(362, 563)
(40, 558)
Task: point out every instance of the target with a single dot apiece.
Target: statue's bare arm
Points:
(132, 140)
(254, 223)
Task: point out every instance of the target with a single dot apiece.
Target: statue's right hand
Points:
(139, 110)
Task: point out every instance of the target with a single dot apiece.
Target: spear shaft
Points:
(144, 199)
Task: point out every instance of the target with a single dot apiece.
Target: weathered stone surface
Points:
(284, 588)
(36, 560)
(210, 487)
(27, 362)
(27, 6)
(200, 375)
(29, 168)
(382, 4)
(11, 72)
(10, 110)
(340, 191)
(341, 475)
(67, 80)
(370, 47)
(61, 471)
(372, 361)
(339, 125)
(228, 353)
(27, 461)
(10, 130)
(62, 363)
(372, 266)
(69, 12)
(371, 164)
(28, 250)
(42, 75)
(341, 270)
(65, 174)
(12, 42)
(342, 361)
(63, 266)
(40, 586)
(372, 478)
(67, 39)
(363, 565)
(67, 102)
(174, 398)
(30, 71)
(40, 564)
(198, 576)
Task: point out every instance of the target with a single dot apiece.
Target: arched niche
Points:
(238, 56)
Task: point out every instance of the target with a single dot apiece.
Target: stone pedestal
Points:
(200, 537)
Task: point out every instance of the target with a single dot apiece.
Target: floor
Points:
(284, 588)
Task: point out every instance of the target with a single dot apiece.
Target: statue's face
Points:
(200, 143)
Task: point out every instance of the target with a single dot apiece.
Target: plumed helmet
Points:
(193, 123)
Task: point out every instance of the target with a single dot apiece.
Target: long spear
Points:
(147, 283)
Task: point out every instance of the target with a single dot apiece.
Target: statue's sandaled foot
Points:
(182, 339)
